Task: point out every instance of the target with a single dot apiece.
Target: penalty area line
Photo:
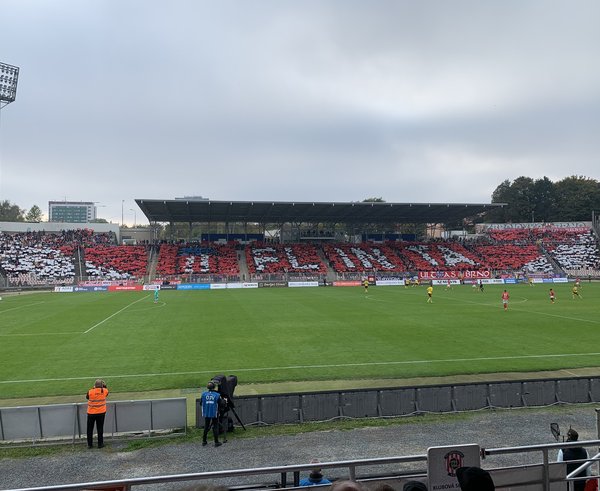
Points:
(301, 367)
(116, 313)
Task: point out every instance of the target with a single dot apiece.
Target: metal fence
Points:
(400, 401)
(62, 421)
(541, 475)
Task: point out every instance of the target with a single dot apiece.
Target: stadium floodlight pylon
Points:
(9, 77)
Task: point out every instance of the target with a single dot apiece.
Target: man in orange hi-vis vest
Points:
(96, 412)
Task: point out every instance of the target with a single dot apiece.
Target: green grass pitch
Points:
(57, 343)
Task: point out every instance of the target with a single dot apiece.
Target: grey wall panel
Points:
(246, 409)
(21, 423)
(434, 399)
(595, 389)
(320, 407)
(169, 413)
(361, 404)
(396, 402)
(280, 409)
(506, 394)
(133, 416)
(539, 392)
(58, 420)
(470, 397)
(574, 390)
(70, 420)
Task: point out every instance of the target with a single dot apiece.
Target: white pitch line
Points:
(303, 367)
(42, 334)
(116, 313)
(20, 307)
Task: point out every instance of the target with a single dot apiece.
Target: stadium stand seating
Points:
(205, 258)
(284, 258)
(115, 262)
(526, 250)
(51, 258)
(360, 258)
(31, 260)
(507, 257)
(576, 253)
(438, 256)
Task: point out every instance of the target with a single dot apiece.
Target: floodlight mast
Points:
(9, 77)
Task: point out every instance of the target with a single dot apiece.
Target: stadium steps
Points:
(331, 274)
(551, 260)
(78, 261)
(152, 263)
(241, 257)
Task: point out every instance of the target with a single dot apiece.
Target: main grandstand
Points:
(324, 242)
(265, 244)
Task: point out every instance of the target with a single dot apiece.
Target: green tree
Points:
(577, 196)
(10, 212)
(34, 214)
(572, 198)
(544, 200)
(502, 194)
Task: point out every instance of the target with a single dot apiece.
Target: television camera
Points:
(226, 387)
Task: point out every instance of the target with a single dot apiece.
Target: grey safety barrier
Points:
(401, 401)
(69, 421)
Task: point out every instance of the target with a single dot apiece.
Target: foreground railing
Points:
(544, 475)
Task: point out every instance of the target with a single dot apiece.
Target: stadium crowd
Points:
(39, 258)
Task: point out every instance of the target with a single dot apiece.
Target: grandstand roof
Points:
(181, 210)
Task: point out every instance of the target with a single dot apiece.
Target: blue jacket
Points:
(210, 403)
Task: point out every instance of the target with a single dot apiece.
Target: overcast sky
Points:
(275, 100)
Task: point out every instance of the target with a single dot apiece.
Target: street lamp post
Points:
(134, 217)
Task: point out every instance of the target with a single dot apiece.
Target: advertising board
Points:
(389, 282)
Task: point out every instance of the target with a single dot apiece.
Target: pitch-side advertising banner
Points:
(194, 286)
(300, 284)
(124, 288)
(63, 289)
(453, 275)
(90, 289)
(442, 463)
(389, 282)
(106, 283)
(445, 282)
(240, 285)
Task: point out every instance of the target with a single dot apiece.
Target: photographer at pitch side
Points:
(96, 412)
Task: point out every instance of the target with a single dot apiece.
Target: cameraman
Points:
(574, 453)
(96, 412)
(211, 402)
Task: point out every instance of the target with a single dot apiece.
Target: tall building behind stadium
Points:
(71, 211)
